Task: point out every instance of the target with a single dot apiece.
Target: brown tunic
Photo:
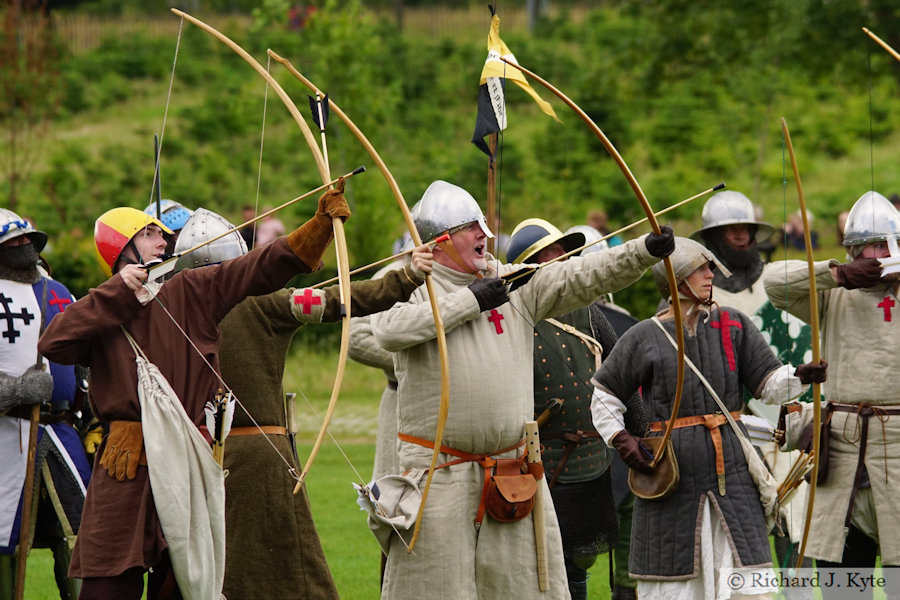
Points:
(268, 529)
(120, 528)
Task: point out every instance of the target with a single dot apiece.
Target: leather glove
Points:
(92, 438)
(662, 244)
(124, 449)
(811, 372)
(310, 240)
(633, 452)
(333, 205)
(858, 273)
(490, 292)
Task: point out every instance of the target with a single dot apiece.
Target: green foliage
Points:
(686, 106)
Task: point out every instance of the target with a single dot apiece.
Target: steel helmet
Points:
(591, 235)
(687, 257)
(872, 219)
(13, 226)
(202, 226)
(114, 229)
(731, 208)
(444, 207)
(533, 235)
(173, 214)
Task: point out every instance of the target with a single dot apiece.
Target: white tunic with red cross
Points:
(860, 333)
(491, 398)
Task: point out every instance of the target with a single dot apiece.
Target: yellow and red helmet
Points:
(114, 229)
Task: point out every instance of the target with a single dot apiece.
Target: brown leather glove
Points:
(633, 452)
(858, 273)
(124, 450)
(310, 240)
(811, 372)
(332, 203)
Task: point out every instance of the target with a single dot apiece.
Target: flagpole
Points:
(493, 219)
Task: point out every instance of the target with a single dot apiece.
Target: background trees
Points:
(690, 92)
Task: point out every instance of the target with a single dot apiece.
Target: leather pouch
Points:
(664, 478)
(510, 493)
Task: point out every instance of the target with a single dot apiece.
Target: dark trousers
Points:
(130, 584)
(860, 552)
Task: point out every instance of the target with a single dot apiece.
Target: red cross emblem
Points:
(307, 300)
(887, 304)
(495, 318)
(57, 301)
(725, 325)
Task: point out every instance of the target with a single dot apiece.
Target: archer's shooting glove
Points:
(490, 292)
(124, 450)
(332, 204)
(634, 453)
(811, 372)
(661, 244)
(310, 240)
(858, 273)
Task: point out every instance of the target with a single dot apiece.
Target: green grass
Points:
(351, 550)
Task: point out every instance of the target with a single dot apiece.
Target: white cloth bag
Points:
(188, 486)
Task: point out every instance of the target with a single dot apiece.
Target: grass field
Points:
(351, 550)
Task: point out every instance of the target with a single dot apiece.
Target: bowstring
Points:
(340, 448)
(871, 135)
(262, 137)
(218, 376)
(162, 132)
(155, 296)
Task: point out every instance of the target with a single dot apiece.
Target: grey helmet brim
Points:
(731, 208)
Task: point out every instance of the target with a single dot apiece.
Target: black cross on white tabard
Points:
(11, 333)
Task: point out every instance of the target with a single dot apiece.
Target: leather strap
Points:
(572, 439)
(485, 460)
(262, 429)
(863, 411)
(712, 422)
(595, 347)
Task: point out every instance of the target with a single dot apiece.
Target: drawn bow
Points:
(814, 342)
(417, 240)
(340, 241)
(651, 217)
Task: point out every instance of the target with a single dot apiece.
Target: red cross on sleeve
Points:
(307, 300)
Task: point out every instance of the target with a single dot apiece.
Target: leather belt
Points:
(570, 440)
(864, 411)
(262, 429)
(711, 422)
(485, 460)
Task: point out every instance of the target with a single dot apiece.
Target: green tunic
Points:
(272, 547)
